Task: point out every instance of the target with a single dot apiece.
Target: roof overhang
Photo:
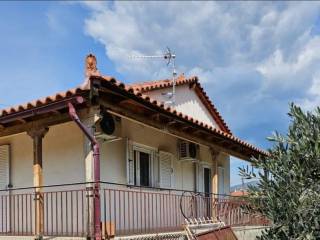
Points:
(125, 101)
(133, 104)
(46, 112)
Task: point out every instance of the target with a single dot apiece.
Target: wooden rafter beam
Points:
(172, 130)
(217, 139)
(198, 132)
(21, 120)
(185, 128)
(125, 101)
(155, 116)
(172, 122)
(55, 112)
(43, 122)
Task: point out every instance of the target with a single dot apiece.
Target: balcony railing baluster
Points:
(125, 210)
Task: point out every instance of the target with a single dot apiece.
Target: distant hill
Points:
(243, 186)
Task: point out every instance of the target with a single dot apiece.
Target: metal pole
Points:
(96, 159)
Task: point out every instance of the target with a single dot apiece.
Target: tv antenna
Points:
(170, 59)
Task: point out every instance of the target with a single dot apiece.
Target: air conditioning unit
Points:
(108, 128)
(188, 151)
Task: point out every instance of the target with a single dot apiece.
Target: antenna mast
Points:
(170, 58)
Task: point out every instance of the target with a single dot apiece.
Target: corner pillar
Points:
(214, 181)
(37, 135)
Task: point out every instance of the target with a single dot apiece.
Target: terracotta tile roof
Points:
(158, 84)
(145, 87)
(239, 193)
(42, 101)
(134, 92)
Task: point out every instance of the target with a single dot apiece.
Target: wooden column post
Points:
(37, 136)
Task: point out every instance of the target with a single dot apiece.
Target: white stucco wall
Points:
(224, 161)
(187, 102)
(63, 156)
(113, 156)
(21, 159)
(113, 163)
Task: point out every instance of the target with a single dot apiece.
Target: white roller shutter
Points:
(130, 163)
(4, 166)
(166, 170)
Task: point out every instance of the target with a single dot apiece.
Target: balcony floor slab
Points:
(44, 238)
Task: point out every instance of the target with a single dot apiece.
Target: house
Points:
(110, 159)
(239, 193)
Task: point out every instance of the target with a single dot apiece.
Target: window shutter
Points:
(166, 170)
(4, 166)
(130, 163)
(156, 169)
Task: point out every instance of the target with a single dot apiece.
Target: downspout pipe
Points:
(96, 165)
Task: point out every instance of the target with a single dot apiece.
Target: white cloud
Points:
(312, 99)
(248, 54)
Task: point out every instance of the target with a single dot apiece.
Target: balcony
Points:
(68, 210)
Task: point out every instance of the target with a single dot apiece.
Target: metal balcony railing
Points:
(67, 210)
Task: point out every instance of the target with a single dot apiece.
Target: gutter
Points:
(96, 159)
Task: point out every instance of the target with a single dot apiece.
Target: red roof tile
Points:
(239, 193)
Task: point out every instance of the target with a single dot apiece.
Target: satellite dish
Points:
(107, 123)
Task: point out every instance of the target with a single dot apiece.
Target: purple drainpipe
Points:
(96, 162)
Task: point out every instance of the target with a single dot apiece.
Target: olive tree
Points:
(288, 190)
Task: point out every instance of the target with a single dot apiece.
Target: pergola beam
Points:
(43, 122)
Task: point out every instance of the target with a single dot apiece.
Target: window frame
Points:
(210, 178)
(201, 165)
(136, 148)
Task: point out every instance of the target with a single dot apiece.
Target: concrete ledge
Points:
(168, 235)
(44, 238)
(248, 232)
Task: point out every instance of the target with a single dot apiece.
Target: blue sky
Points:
(253, 58)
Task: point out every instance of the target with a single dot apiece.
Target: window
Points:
(140, 164)
(203, 177)
(207, 180)
(148, 167)
(142, 168)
